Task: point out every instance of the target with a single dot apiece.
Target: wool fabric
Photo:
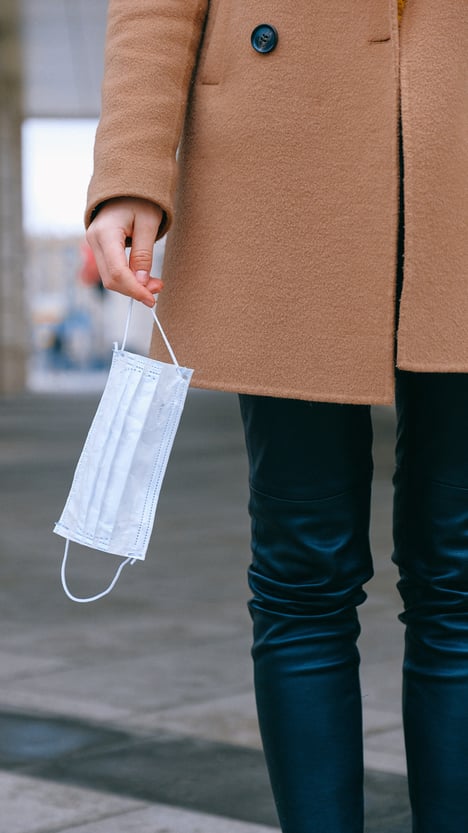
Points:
(282, 203)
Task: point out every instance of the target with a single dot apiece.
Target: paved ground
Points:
(136, 713)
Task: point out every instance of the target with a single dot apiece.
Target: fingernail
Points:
(142, 277)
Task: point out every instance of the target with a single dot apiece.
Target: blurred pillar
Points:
(13, 346)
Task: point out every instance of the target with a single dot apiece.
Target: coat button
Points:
(264, 38)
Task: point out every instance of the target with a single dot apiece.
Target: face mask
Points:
(115, 490)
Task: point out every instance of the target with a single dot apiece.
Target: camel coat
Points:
(283, 204)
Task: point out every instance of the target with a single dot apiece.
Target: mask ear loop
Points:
(127, 325)
(99, 595)
(166, 340)
(160, 328)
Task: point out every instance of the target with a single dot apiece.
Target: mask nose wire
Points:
(105, 592)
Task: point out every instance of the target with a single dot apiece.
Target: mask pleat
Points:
(113, 486)
(89, 464)
(148, 462)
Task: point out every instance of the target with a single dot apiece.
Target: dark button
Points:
(264, 38)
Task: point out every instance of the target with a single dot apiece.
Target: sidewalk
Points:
(136, 713)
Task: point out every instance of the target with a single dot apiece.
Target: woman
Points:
(285, 282)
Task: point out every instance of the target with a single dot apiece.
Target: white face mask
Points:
(115, 490)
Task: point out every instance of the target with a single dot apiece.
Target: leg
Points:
(310, 478)
(431, 550)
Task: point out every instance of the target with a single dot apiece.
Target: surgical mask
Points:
(113, 498)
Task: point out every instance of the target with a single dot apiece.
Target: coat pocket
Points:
(378, 19)
(214, 43)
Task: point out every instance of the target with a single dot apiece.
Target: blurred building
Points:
(50, 66)
(12, 331)
(72, 320)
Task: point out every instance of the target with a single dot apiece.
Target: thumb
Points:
(141, 259)
(141, 253)
(142, 276)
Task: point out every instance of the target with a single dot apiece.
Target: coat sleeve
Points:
(150, 54)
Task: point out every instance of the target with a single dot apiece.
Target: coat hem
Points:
(387, 398)
(435, 367)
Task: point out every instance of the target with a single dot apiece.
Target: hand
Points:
(117, 221)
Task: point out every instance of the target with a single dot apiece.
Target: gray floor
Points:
(136, 713)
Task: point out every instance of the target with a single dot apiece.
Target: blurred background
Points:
(57, 321)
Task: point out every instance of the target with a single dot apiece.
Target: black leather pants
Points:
(311, 471)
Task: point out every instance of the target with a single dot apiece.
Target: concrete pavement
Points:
(136, 713)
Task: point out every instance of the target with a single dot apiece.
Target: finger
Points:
(108, 244)
(114, 270)
(145, 229)
(153, 284)
(142, 277)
